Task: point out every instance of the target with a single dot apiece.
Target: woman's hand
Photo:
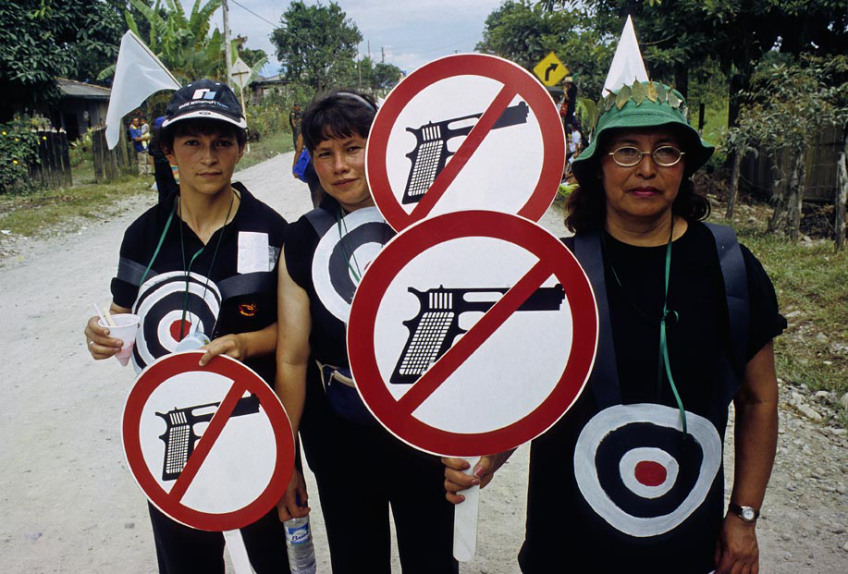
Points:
(456, 480)
(737, 551)
(293, 504)
(99, 343)
(230, 345)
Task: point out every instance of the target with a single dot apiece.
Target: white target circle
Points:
(342, 256)
(648, 472)
(159, 306)
(615, 418)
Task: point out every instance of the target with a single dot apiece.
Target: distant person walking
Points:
(295, 117)
(139, 139)
(568, 103)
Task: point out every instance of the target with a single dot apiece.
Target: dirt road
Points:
(69, 504)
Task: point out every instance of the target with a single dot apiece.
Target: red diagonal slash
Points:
(476, 336)
(472, 141)
(204, 445)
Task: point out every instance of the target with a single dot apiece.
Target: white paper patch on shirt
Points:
(252, 252)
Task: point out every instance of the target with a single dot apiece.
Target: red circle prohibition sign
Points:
(516, 81)
(244, 379)
(397, 414)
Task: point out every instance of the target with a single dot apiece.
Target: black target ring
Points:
(639, 472)
(160, 307)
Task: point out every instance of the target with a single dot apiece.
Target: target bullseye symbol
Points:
(638, 471)
(342, 256)
(648, 472)
(163, 302)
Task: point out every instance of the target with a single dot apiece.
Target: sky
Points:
(411, 32)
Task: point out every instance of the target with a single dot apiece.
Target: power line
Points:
(245, 8)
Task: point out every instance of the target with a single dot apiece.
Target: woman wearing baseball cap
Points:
(631, 479)
(200, 267)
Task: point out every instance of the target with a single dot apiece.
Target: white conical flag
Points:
(138, 75)
(627, 64)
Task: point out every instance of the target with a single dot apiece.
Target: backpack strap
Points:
(604, 378)
(321, 220)
(735, 278)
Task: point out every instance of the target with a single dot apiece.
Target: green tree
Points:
(376, 77)
(788, 104)
(317, 45)
(525, 33)
(678, 36)
(185, 42)
(41, 40)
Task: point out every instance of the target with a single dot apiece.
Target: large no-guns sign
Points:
(464, 132)
(472, 333)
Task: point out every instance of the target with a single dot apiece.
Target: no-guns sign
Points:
(465, 132)
(211, 447)
(472, 333)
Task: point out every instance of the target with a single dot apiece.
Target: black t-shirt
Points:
(231, 287)
(564, 533)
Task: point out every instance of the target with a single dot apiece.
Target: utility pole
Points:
(227, 48)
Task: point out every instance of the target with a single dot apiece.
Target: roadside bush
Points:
(18, 150)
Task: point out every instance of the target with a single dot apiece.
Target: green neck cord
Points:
(159, 246)
(663, 359)
(209, 274)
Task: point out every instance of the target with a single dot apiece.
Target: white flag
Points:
(627, 64)
(138, 75)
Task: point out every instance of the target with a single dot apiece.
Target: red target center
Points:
(650, 473)
(175, 330)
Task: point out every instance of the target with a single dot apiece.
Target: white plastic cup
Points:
(125, 328)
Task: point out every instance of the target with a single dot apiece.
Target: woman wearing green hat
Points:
(631, 478)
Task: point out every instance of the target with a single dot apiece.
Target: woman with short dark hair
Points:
(352, 456)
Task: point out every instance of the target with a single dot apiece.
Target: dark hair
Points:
(198, 126)
(337, 114)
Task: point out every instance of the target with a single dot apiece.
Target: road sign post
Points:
(550, 70)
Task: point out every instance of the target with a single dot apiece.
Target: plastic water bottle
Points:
(299, 546)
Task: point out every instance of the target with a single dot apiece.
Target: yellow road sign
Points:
(550, 70)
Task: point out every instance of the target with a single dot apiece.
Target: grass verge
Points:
(810, 281)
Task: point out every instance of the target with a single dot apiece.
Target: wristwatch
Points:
(746, 513)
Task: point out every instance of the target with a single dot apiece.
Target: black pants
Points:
(360, 471)
(180, 549)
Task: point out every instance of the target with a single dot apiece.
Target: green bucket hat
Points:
(641, 105)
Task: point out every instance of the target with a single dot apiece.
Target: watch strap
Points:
(744, 512)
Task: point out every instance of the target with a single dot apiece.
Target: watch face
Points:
(748, 514)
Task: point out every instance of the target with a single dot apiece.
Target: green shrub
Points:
(18, 150)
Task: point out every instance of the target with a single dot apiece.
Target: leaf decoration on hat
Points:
(638, 93)
(673, 100)
(622, 96)
(588, 112)
(662, 94)
(651, 91)
(609, 101)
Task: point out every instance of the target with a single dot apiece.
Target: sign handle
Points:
(237, 551)
(465, 519)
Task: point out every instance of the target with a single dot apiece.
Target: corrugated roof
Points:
(76, 89)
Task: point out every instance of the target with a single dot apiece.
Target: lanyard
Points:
(664, 364)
